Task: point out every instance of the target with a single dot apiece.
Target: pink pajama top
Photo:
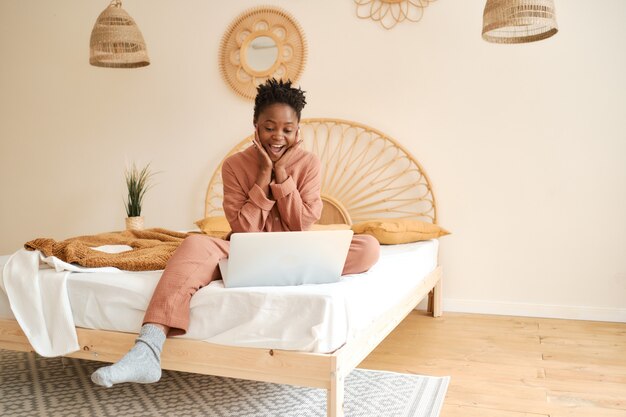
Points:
(292, 206)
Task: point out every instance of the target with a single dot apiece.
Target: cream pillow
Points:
(216, 226)
(394, 231)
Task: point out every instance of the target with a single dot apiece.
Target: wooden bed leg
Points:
(429, 307)
(334, 396)
(437, 299)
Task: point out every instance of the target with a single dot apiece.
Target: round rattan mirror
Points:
(261, 43)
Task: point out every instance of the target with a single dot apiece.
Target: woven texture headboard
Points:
(365, 175)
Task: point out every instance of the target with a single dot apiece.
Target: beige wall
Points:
(525, 144)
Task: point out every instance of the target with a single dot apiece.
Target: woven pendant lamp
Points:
(518, 21)
(116, 41)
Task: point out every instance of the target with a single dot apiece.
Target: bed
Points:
(366, 175)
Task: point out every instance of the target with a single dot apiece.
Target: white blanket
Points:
(37, 290)
(316, 318)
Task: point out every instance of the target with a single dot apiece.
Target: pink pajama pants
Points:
(195, 264)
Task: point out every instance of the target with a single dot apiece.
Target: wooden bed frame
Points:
(385, 182)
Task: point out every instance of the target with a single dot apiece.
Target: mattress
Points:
(311, 318)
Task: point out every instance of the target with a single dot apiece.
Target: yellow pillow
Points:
(394, 231)
(338, 226)
(216, 226)
(219, 227)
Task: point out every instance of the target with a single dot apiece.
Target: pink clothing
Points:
(192, 266)
(195, 264)
(294, 205)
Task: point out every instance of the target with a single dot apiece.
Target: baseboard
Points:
(534, 310)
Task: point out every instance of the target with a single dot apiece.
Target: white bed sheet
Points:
(312, 318)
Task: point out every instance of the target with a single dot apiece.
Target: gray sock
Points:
(141, 364)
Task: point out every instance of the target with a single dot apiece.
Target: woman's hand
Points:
(264, 177)
(265, 162)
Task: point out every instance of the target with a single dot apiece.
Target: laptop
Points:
(285, 258)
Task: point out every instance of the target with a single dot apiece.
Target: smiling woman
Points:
(276, 131)
(276, 122)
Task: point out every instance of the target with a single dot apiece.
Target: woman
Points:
(273, 185)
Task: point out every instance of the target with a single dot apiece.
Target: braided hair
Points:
(278, 91)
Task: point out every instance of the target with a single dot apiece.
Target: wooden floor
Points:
(513, 366)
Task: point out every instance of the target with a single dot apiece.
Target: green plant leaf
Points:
(138, 181)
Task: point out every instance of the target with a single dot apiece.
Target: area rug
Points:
(31, 385)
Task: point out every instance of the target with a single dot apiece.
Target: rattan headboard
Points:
(365, 175)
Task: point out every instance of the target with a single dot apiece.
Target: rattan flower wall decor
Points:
(261, 43)
(391, 12)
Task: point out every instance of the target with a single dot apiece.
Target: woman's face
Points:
(277, 126)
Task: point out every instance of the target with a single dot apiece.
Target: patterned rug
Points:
(31, 385)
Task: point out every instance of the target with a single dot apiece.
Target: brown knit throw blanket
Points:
(151, 249)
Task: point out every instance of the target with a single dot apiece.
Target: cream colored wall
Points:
(525, 144)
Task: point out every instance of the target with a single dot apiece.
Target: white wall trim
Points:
(535, 310)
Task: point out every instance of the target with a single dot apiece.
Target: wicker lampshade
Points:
(116, 41)
(518, 21)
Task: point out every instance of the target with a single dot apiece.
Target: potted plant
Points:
(137, 183)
